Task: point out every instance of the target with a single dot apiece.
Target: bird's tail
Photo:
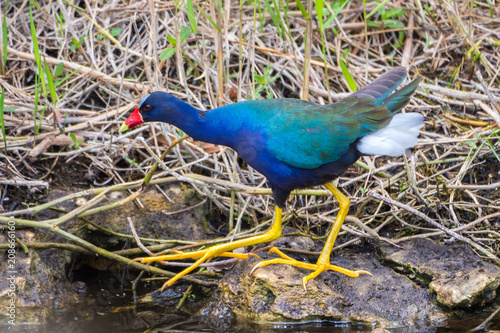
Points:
(395, 138)
(402, 131)
(382, 87)
(395, 102)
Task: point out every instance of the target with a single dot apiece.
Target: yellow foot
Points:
(201, 255)
(316, 268)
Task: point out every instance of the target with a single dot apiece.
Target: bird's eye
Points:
(147, 107)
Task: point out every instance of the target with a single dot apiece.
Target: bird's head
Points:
(157, 106)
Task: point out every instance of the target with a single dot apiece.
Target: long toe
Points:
(311, 276)
(317, 268)
(364, 272)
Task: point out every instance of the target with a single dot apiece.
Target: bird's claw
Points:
(317, 268)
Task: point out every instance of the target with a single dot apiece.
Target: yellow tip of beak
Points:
(123, 128)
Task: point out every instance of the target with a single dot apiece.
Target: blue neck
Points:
(203, 126)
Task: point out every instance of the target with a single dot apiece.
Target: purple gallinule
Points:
(294, 144)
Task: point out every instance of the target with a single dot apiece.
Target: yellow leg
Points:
(323, 263)
(220, 250)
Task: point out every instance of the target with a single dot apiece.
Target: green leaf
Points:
(184, 34)
(376, 9)
(76, 43)
(167, 53)
(272, 79)
(395, 12)
(59, 69)
(191, 16)
(260, 80)
(348, 77)
(75, 143)
(100, 37)
(373, 24)
(172, 40)
(131, 161)
(115, 31)
(393, 24)
(303, 10)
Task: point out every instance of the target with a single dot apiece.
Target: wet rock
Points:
(455, 273)
(173, 214)
(37, 285)
(380, 330)
(275, 294)
(160, 217)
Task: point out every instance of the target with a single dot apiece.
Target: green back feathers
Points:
(307, 135)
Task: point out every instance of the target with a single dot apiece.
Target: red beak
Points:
(133, 120)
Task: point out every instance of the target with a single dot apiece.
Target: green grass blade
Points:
(376, 9)
(35, 109)
(336, 9)
(36, 51)
(58, 83)
(2, 123)
(274, 17)
(493, 150)
(50, 82)
(453, 75)
(348, 77)
(261, 16)
(191, 16)
(5, 41)
(41, 118)
(208, 17)
(303, 10)
(319, 11)
(52, 89)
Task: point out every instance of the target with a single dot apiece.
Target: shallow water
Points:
(160, 319)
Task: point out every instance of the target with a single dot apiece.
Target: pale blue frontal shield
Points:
(143, 99)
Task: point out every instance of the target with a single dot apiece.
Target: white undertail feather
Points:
(395, 138)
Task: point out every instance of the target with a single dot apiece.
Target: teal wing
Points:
(307, 135)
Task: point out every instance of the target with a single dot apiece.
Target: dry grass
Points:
(452, 176)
